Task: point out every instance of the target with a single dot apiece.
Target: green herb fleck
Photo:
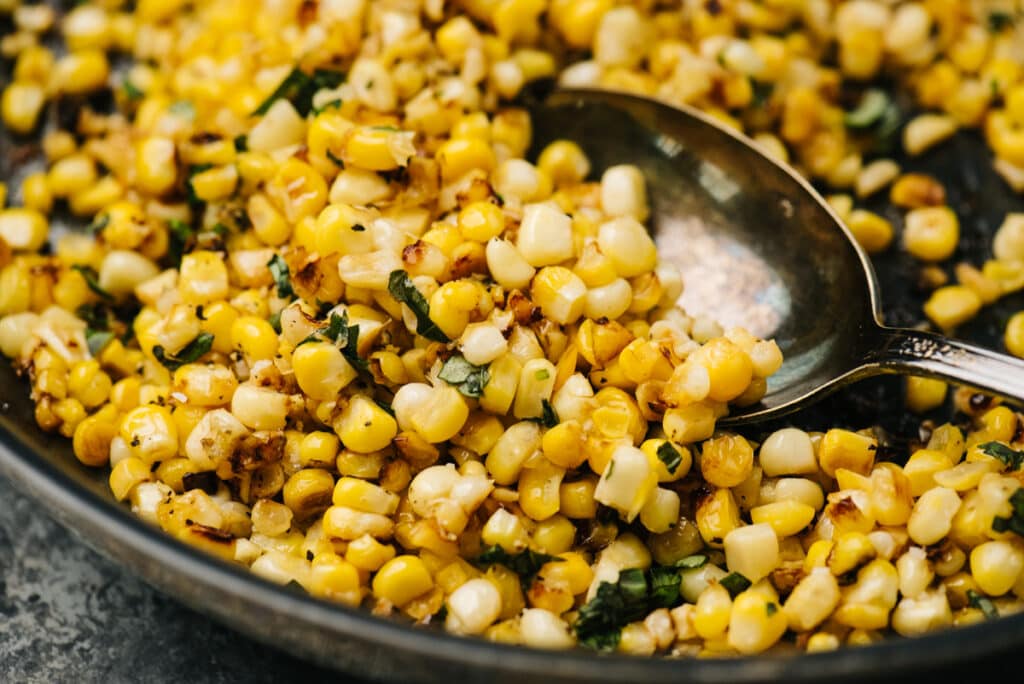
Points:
(1014, 523)
(190, 352)
(870, 110)
(548, 417)
(275, 322)
(131, 91)
(470, 380)
(526, 564)
(692, 562)
(330, 104)
(92, 280)
(982, 603)
(342, 335)
(182, 240)
(279, 270)
(997, 21)
(1011, 457)
(633, 596)
(96, 340)
(241, 143)
(608, 471)
(542, 374)
(298, 87)
(670, 456)
(99, 223)
(735, 583)
(401, 287)
(338, 161)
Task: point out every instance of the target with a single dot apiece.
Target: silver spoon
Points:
(759, 247)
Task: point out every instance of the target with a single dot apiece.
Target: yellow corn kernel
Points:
(872, 232)
(150, 433)
(931, 233)
(717, 515)
(845, 449)
(996, 566)
(365, 427)
(364, 496)
(254, 337)
(366, 553)
(377, 148)
(785, 517)
(92, 439)
(711, 616)
(755, 622)
(322, 370)
(925, 394)
(155, 165)
(481, 221)
(126, 474)
(461, 155)
(729, 368)
(562, 444)
(726, 461)
(23, 230)
(952, 305)
(21, 105)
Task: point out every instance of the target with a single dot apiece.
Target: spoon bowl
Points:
(757, 246)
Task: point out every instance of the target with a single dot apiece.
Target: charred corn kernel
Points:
(850, 551)
(996, 565)
(308, 492)
(931, 233)
(560, 294)
(812, 600)
(365, 427)
(933, 514)
(845, 449)
(92, 439)
(21, 105)
(916, 190)
(925, 394)
(126, 474)
(951, 306)
(726, 461)
(871, 231)
(150, 433)
(23, 229)
(717, 515)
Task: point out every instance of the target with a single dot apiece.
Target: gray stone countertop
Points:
(70, 615)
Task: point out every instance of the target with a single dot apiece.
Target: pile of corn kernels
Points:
(327, 321)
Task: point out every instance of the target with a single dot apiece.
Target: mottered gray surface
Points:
(70, 615)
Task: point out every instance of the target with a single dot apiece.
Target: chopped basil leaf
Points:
(526, 564)
(330, 104)
(608, 471)
(386, 406)
(92, 280)
(1014, 523)
(298, 87)
(242, 143)
(182, 239)
(548, 417)
(343, 336)
(997, 21)
(670, 456)
(131, 91)
(982, 603)
(193, 170)
(1011, 457)
(870, 110)
(190, 352)
(96, 340)
(470, 380)
(691, 562)
(338, 161)
(771, 608)
(401, 287)
(275, 322)
(600, 622)
(735, 583)
(99, 223)
(279, 270)
(664, 587)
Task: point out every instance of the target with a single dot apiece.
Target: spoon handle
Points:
(924, 353)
